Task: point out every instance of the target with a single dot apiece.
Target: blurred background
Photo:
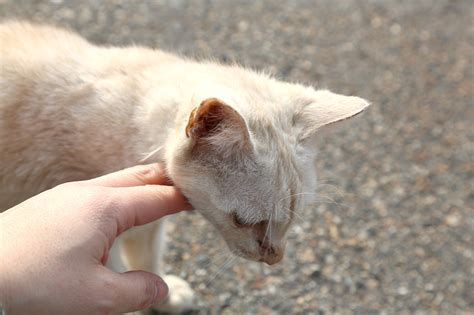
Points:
(393, 229)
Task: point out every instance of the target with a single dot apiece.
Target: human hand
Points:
(54, 246)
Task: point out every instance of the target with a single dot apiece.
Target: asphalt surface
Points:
(393, 231)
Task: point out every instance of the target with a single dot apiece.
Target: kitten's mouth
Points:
(271, 259)
(270, 256)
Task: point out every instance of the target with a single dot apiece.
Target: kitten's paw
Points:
(181, 297)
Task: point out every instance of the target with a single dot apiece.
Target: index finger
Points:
(151, 174)
(144, 204)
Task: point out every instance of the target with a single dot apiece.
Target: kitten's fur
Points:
(70, 110)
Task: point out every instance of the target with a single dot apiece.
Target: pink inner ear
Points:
(214, 122)
(211, 116)
(204, 120)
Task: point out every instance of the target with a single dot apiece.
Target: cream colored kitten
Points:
(239, 144)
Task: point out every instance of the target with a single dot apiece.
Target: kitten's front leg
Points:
(181, 297)
(143, 249)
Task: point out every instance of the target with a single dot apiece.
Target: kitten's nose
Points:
(270, 254)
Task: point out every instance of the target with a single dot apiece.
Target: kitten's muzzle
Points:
(270, 254)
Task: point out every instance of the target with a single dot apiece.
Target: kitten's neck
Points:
(161, 121)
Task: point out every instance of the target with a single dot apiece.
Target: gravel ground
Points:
(393, 233)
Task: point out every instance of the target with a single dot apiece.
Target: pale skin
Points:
(54, 246)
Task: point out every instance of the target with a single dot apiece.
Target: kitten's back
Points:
(22, 39)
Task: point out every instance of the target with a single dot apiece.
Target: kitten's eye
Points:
(237, 221)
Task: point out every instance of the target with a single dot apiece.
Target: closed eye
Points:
(238, 222)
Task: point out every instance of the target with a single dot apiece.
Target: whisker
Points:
(216, 260)
(337, 190)
(329, 200)
(227, 264)
(149, 155)
(296, 215)
(268, 227)
(297, 194)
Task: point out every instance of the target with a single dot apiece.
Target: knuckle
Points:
(108, 298)
(145, 173)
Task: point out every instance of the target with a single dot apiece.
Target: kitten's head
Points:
(247, 162)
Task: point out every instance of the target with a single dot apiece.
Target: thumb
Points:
(135, 290)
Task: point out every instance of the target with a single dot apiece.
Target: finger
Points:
(134, 290)
(144, 204)
(151, 174)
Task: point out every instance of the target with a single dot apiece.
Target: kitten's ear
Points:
(326, 109)
(216, 126)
